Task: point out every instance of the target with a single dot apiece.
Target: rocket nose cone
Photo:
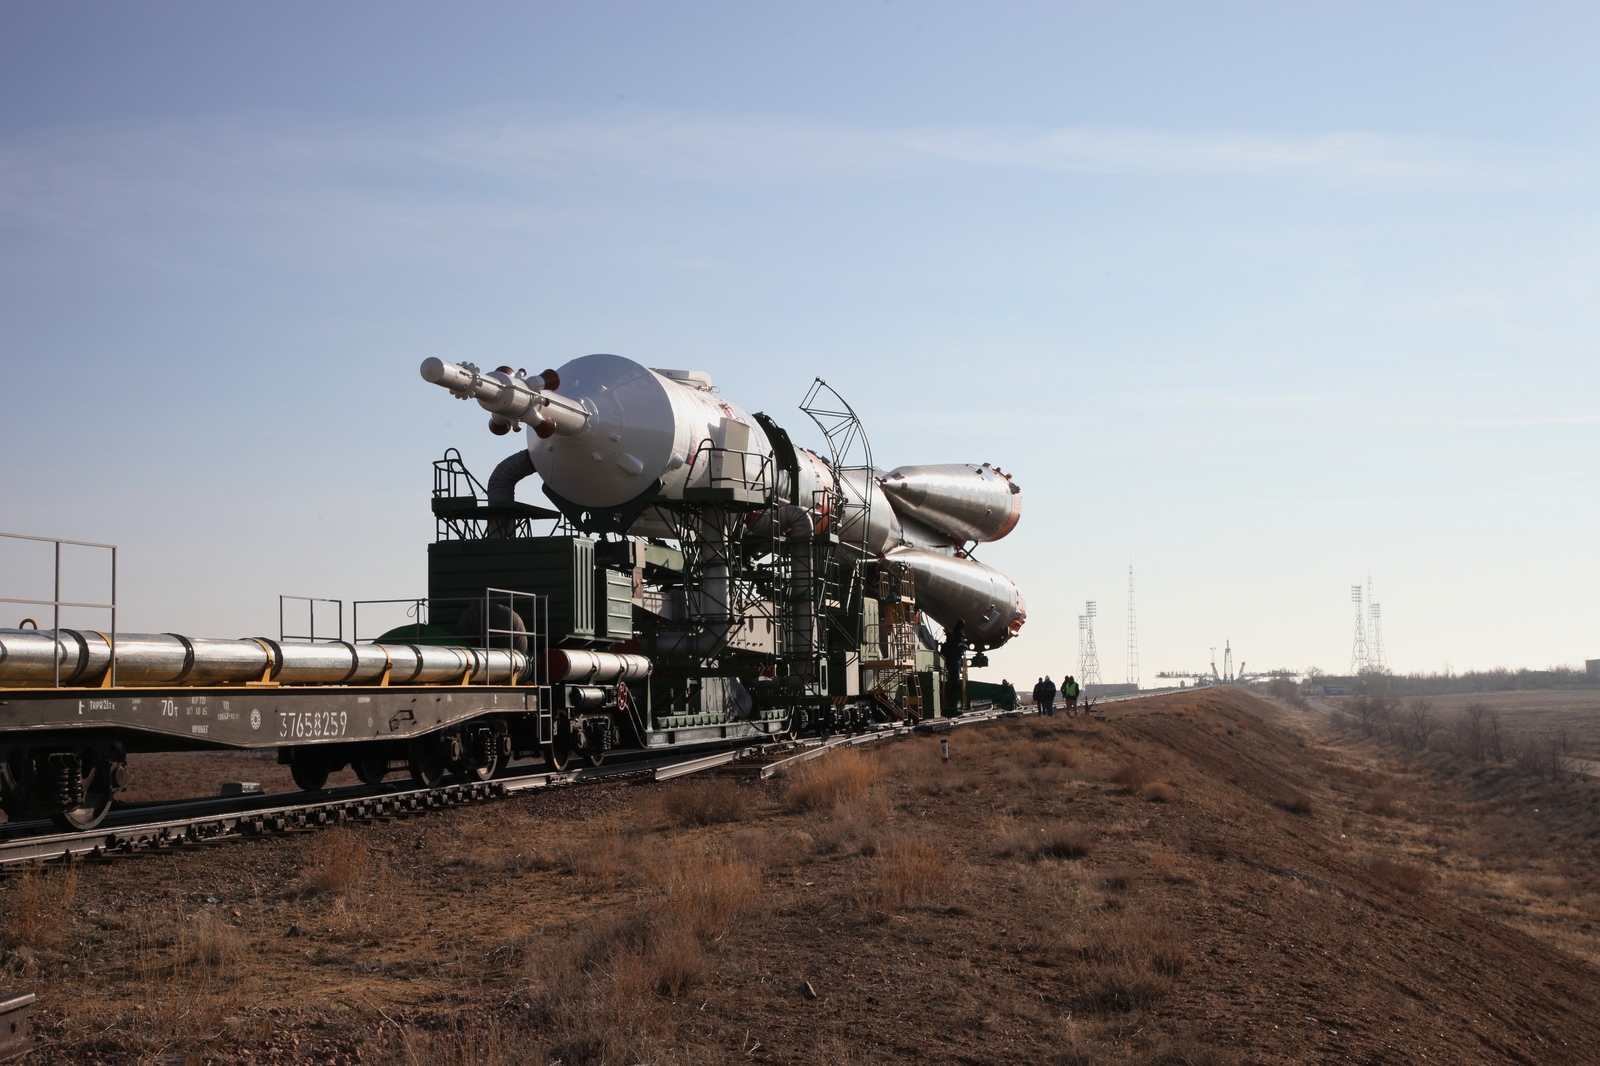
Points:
(907, 490)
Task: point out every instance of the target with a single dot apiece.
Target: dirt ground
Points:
(1200, 878)
(1539, 712)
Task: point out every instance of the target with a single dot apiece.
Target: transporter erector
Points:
(700, 580)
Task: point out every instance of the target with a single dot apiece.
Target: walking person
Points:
(1008, 695)
(1049, 697)
(1069, 694)
(954, 652)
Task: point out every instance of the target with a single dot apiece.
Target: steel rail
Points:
(193, 821)
(253, 818)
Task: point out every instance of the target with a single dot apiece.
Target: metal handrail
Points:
(708, 447)
(419, 607)
(311, 605)
(56, 603)
(536, 653)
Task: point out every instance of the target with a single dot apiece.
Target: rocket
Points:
(607, 431)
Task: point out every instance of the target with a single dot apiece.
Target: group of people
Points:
(1045, 692)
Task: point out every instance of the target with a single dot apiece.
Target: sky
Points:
(1260, 300)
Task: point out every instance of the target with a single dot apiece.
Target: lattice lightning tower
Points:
(1375, 657)
(1358, 654)
(1133, 636)
(1088, 658)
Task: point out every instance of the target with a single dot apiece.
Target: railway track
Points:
(173, 826)
(148, 828)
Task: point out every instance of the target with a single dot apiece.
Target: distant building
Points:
(1334, 686)
(1593, 666)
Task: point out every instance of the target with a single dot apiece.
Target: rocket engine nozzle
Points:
(511, 396)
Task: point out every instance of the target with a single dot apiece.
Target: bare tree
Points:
(1494, 740)
(1474, 734)
(1422, 723)
(1558, 750)
(1387, 714)
(1365, 708)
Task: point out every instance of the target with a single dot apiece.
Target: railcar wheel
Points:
(309, 769)
(98, 789)
(594, 758)
(558, 753)
(427, 762)
(484, 759)
(371, 771)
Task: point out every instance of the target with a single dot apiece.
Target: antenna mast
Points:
(1375, 657)
(1133, 636)
(1088, 658)
(1358, 655)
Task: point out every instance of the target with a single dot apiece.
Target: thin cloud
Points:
(90, 167)
(742, 149)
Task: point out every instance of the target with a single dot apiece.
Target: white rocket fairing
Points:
(607, 430)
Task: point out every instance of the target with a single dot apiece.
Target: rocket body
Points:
(608, 430)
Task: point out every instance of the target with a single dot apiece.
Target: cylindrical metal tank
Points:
(967, 502)
(868, 520)
(954, 589)
(637, 425)
(579, 665)
(587, 697)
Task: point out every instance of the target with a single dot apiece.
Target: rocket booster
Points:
(607, 430)
(969, 502)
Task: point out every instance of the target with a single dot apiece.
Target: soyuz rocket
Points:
(607, 431)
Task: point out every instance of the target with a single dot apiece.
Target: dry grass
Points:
(338, 861)
(1125, 962)
(1132, 776)
(709, 891)
(610, 856)
(861, 825)
(1158, 792)
(1406, 876)
(909, 872)
(39, 908)
(213, 943)
(1059, 841)
(593, 985)
(1048, 750)
(835, 780)
(703, 803)
(770, 850)
(1383, 804)
(1170, 867)
(1292, 800)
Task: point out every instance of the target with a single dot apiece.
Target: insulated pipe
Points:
(28, 658)
(587, 697)
(503, 482)
(580, 666)
(503, 490)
